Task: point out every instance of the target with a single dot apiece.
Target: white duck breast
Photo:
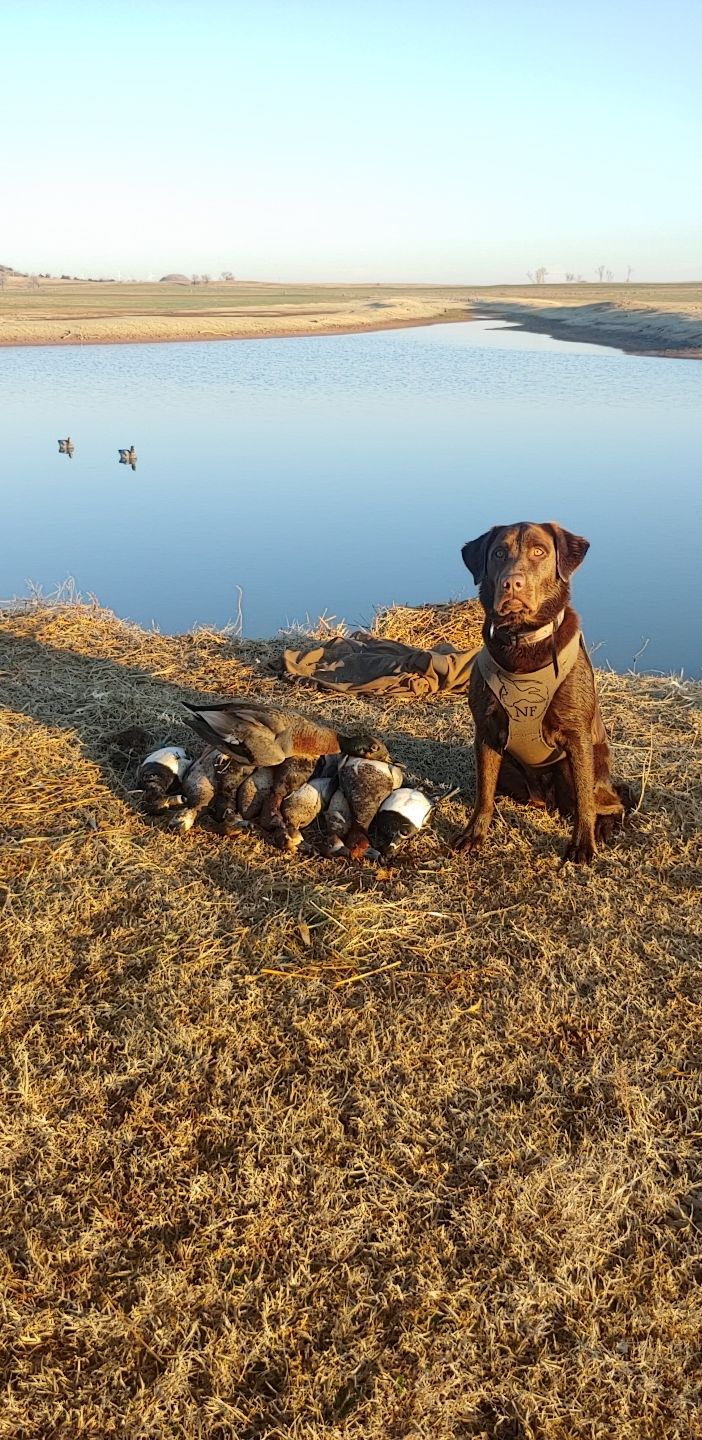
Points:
(171, 757)
(412, 805)
(309, 798)
(338, 818)
(325, 787)
(355, 764)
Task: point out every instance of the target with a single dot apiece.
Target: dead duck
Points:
(401, 816)
(160, 777)
(366, 783)
(264, 735)
(231, 775)
(286, 779)
(253, 791)
(301, 807)
(211, 783)
(336, 824)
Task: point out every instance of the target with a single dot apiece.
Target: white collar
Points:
(531, 637)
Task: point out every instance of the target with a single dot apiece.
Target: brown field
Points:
(299, 1150)
(655, 319)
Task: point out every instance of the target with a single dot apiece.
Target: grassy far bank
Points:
(661, 319)
(298, 1149)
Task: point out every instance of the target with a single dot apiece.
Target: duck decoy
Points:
(128, 457)
(66, 447)
(160, 777)
(264, 735)
(402, 815)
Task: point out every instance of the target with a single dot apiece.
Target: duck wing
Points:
(241, 732)
(267, 735)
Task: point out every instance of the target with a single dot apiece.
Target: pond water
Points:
(336, 474)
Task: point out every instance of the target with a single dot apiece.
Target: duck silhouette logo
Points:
(523, 699)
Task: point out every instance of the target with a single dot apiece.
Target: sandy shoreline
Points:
(664, 320)
(186, 334)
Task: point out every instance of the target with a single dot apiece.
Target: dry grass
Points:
(302, 1149)
(458, 623)
(648, 318)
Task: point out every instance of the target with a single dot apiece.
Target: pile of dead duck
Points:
(304, 785)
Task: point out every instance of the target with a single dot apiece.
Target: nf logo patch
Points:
(523, 699)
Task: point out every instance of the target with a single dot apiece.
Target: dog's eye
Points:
(499, 553)
(538, 550)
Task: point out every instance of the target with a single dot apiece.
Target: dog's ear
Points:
(570, 549)
(475, 554)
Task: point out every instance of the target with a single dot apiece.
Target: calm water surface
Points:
(340, 473)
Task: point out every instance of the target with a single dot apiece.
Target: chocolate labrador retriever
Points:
(539, 735)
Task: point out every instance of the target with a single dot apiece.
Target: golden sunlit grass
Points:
(302, 1149)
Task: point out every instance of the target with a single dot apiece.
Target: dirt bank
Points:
(641, 319)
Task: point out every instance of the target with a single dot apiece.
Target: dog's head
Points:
(523, 571)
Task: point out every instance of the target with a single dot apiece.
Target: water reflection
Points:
(367, 461)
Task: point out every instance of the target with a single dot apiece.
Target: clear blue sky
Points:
(372, 140)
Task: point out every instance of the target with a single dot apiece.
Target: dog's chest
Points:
(524, 700)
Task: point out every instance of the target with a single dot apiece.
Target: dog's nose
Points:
(513, 584)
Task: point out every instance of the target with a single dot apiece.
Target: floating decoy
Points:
(128, 457)
(262, 735)
(160, 776)
(66, 447)
(401, 817)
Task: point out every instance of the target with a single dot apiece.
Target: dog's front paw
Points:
(473, 836)
(581, 848)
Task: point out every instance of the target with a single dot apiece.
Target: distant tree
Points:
(629, 273)
(205, 279)
(570, 274)
(610, 275)
(530, 277)
(34, 282)
(226, 275)
(541, 274)
(600, 272)
(2, 279)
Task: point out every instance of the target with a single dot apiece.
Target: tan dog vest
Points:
(525, 698)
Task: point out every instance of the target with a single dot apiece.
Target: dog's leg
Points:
(487, 770)
(581, 848)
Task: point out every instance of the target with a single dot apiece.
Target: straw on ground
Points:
(304, 1149)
